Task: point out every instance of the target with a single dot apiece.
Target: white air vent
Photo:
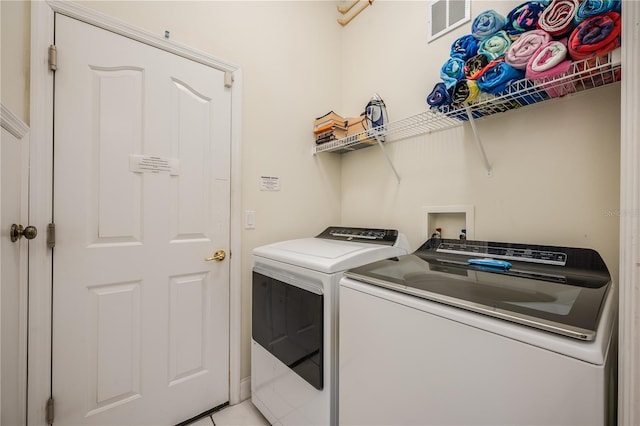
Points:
(445, 15)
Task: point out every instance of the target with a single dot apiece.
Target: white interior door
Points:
(141, 198)
(13, 279)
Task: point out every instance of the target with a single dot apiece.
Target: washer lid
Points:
(326, 255)
(557, 289)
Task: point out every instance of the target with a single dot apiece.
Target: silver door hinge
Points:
(49, 409)
(51, 235)
(228, 79)
(53, 57)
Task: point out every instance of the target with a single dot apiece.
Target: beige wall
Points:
(14, 56)
(556, 164)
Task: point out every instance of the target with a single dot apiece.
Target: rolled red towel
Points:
(595, 36)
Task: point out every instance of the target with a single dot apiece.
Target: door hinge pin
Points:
(53, 57)
(51, 235)
(49, 418)
(228, 79)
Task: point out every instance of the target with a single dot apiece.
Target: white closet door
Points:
(141, 198)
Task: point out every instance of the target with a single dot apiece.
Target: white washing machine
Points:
(479, 333)
(294, 353)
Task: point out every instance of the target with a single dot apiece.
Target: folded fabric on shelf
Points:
(595, 36)
(495, 46)
(524, 17)
(452, 71)
(497, 76)
(590, 8)
(464, 47)
(474, 66)
(464, 91)
(558, 18)
(460, 92)
(487, 24)
(474, 90)
(521, 50)
(439, 96)
(549, 63)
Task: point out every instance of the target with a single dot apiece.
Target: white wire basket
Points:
(583, 75)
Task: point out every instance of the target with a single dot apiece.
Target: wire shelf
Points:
(583, 75)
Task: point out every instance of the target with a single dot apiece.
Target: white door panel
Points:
(141, 197)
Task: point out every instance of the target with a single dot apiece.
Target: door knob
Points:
(17, 232)
(218, 255)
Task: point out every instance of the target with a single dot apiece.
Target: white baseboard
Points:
(245, 388)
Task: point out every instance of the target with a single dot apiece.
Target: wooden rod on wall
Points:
(345, 9)
(345, 21)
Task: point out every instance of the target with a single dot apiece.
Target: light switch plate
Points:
(250, 219)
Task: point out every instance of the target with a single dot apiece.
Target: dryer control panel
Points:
(369, 235)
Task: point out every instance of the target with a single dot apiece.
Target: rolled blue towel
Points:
(452, 71)
(524, 17)
(495, 46)
(464, 47)
(590, 8)
(487, 24)
(439, 96)
(497, 76)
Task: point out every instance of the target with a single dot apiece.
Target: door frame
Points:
(20, 131)
(629, 328)
(41, 196)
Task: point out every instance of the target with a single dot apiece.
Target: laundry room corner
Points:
(550, 180)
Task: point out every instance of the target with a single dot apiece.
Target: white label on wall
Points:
(153, 164)
(269, 183)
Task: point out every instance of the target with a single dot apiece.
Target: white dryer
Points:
(479, 333)
(294, 351)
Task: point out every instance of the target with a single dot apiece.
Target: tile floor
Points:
(243, 414)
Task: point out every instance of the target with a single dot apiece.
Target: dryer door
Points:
(288, 322)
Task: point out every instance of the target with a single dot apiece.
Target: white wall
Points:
(556, 165)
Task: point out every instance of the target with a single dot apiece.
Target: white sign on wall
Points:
(269, 183)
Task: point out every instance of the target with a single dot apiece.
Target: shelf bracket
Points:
(379, 138)
(487, 165)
